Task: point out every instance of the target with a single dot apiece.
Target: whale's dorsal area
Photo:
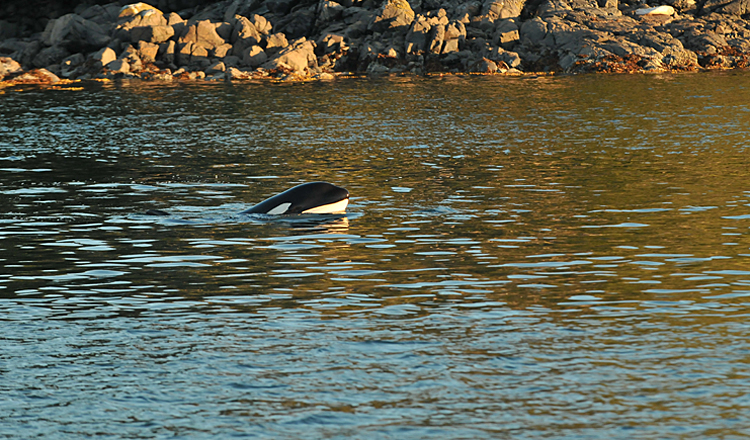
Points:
(307, 198)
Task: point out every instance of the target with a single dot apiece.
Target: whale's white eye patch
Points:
(280, 209)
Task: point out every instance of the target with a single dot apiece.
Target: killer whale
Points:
(307, 198)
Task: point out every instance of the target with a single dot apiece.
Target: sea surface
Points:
(522, 258)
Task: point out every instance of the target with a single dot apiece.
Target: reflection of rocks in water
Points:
(292, 40)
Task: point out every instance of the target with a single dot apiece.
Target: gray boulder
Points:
(328, 11)
(279, 7)
(506, 34)
(151, 34)
(103, 57)
(550, 8)
(8, 30)
(435, 43)
(498, 54)
(167, 52)
(731, 7)
(244, 32)
(202, 34)
(75, 33)
(394, 15)
(118, 66)
(183, 53)
(276, 42)
(147, 52)
(49, 56)
(146, 18)
(499, 9)
(299, 57)
(216, 68)
(261, 24)
(130, 54)
(330, 43)
(70, 65)
(297, 24)
(104, 15)
(173, 18)
(253, 56)
(416, 39)
(222, 51)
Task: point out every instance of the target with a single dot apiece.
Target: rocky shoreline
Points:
(321, 39)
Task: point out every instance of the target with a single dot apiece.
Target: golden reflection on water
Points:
(559, 257)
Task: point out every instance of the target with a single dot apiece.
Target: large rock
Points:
(330, 43)
(49, 56)
(328, 11)
(202, 34)
(253, 56)
(506, 34)
(104, 15)
(498, 54)
(261, 24)
(416, 39)
(550, 8)
(69, 66)
(299, 57)
(499, 9)
(222, 51)
(147, 51)
(8, 66)
(27, 51)
(534, 33)
(297, 24)
(276, 42)
(8, 30)
(173, 18)
(166, 52)
(415, 42)
(244, 35)
(394, 15)
(75, 33)
(103, 57)
(133, 58)
(145, 18)
(732, 7)
(37, 76)
(182, 53)
(280, 7)
(151, 34)
(216, 68)
(118, 66)
(435, 43)
(135, 9)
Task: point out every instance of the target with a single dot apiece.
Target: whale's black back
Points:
(301, 198)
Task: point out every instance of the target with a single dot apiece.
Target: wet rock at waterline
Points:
(293, 39)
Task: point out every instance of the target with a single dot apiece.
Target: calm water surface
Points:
(563, 258)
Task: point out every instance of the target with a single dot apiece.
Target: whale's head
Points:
(308, 198)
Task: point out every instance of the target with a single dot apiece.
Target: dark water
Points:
(563, 258)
